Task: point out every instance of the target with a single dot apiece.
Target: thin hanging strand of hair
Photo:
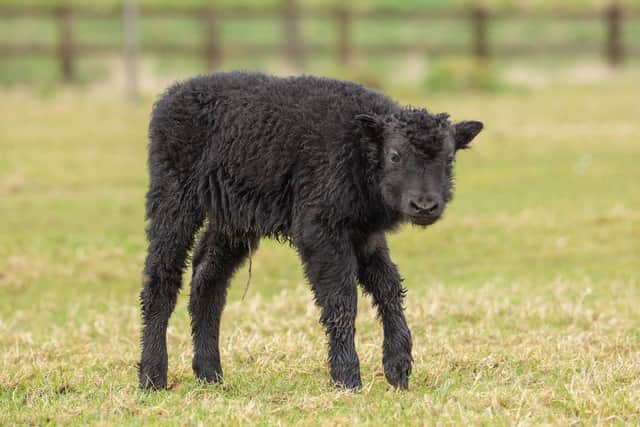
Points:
(246, 286)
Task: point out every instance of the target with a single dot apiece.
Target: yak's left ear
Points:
(465, 132)
(371, 125)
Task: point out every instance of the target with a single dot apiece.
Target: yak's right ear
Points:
(370, 125)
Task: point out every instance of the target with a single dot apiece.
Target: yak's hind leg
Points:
(215, 259)
(174, 220)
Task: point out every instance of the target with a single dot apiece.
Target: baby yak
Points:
(326, 165)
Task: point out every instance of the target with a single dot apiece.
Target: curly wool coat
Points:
(257, 156)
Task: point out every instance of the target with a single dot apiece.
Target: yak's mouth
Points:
(423, 220)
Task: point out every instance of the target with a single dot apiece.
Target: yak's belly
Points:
(241, 207)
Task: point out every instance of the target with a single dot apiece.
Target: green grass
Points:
(523, 300)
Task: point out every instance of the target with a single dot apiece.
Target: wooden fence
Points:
(68, 48)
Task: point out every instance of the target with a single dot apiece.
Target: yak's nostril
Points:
(431, 207)
(428, 206)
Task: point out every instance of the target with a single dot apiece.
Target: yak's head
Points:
(415, 151)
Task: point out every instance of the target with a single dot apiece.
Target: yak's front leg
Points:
(380, 278)
(331, 267)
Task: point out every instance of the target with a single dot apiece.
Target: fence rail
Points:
(294, 48)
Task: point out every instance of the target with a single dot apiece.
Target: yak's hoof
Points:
(349, 380)
(212, 377)
(209, 374)
(152, 378)
(397, 370)
(349, 385)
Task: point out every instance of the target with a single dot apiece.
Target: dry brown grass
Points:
(513, 355)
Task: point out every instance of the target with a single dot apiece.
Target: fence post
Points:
(613, 17)
(131, 47)
(293, 37)
(479, 17)
(65, 43)
(212, 44)
(343, 23)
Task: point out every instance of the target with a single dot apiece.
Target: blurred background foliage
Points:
(454, 71)
(407, 4)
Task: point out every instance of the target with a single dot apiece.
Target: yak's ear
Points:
(371, 125)
(465, 132)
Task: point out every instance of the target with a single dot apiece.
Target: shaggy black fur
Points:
(329, 166)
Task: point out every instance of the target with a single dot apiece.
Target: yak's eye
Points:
(449, 166)
(394, 156)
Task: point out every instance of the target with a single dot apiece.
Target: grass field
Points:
(523, 300)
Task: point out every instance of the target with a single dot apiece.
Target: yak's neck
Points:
(379, 216)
